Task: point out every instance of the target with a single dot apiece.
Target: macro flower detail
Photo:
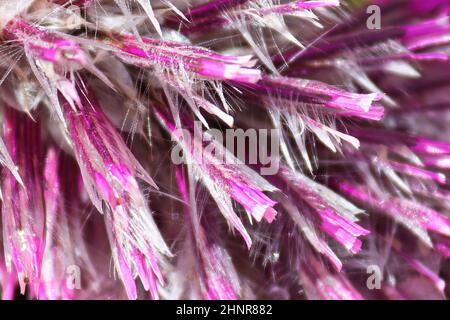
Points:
(181, 57)
(110, 174)
(225, 178)
(23, 216)
(219, 278)
(224, 149)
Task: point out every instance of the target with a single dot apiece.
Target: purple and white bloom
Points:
(118, 175)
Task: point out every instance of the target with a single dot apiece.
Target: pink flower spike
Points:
(428, 146)
(320, 283)
(45, 45)
(338, 216)
(254, 201)
(442, 245)
(224, 149)
(345, 232)
(414, 216)
(78, 3)
(110, 174)
(299, 5)
(217, 274)
(433, 153)
(225, 176)
(8, 281)
(316, 92)
(177, 57)
(417, 172)
(437, 161)
(23, 214)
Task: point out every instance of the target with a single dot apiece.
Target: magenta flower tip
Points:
(224, 149)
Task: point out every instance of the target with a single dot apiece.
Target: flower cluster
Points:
(95, 95)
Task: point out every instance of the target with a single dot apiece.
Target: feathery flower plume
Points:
(219, 280)
(225, 178)
(23, 216)
(110, 174)
(120, 179)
